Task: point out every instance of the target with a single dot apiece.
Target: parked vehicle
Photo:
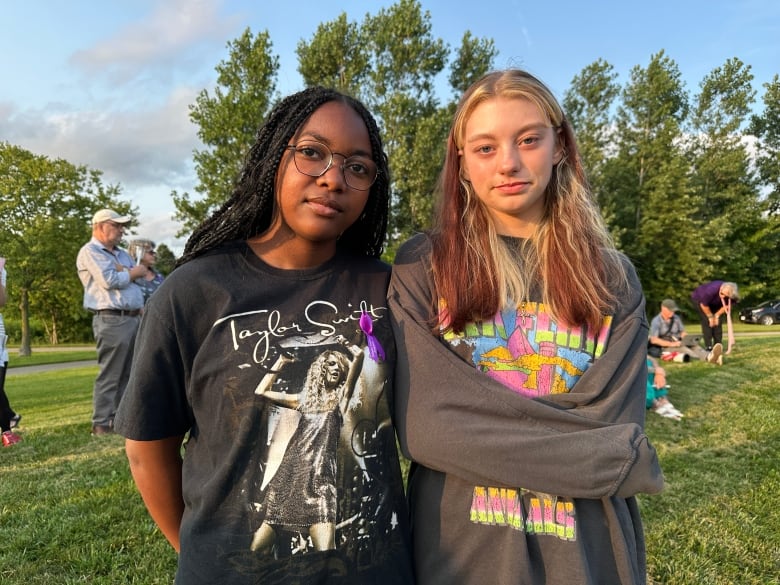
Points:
(766, 313)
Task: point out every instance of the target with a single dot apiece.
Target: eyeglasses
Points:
(151, 252)
(314, 159)
(119, 226)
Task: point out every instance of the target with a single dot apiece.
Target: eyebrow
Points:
(521, 130)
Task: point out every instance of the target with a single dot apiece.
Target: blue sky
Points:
(108, 83)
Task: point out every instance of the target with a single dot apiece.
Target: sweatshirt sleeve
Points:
(454, 419)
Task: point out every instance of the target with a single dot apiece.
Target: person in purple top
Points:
(712, 300)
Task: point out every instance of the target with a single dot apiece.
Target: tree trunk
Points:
(24, 311)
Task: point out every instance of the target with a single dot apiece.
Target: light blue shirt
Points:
(105, 275)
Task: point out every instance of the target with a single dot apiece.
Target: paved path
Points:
(18, 371)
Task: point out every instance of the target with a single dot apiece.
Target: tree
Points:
(473, 59)
(766, 128)
(166, 260)
(646, 185)
(46, 206)
(722, 180)
(588, 104)
(336, 57)
(227, 122)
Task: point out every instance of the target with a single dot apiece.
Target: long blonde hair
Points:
(571, 255)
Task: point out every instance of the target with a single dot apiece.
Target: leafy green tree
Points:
(646, 185)
(227, 122)
(722, 179)
(766, 128)
(46, 207)
(166, 260)
(473, 59)
(589, 104)
(336, 56)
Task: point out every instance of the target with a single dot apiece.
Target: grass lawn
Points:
(70, 513)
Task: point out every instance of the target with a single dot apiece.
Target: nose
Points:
(333, 177)
(510, 159)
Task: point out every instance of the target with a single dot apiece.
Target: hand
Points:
(138, 271)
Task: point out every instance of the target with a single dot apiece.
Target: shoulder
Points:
(628, 289)
(90, 247)
(365, 264)
(413, 250)
(622, 270)
(222, 256)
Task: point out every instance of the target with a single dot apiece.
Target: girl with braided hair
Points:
(286, 269)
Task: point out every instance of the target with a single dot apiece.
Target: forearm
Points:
(156, 468)
(452, 418)
(660, 342)
(473, 427)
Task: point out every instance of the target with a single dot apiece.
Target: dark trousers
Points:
(711, 335)
(6, 412)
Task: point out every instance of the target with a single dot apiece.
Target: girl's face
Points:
(332, 371)
(315, 211)
(508, 154)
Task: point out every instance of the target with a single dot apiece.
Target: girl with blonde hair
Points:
(520, 381)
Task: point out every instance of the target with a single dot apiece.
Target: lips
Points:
(324, 206)
(513, 186)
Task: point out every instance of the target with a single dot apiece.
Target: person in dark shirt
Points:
(712, 301)
(269, 348)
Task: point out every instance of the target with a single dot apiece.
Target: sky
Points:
(108, 84)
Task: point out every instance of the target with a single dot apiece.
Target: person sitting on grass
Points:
(667, 336)
(658, 390)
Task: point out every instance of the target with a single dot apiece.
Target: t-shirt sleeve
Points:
(154, 405)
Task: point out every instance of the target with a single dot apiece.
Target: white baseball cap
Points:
(110, 215)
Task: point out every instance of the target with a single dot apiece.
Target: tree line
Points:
(689, 183)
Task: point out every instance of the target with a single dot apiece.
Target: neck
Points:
(291, 253)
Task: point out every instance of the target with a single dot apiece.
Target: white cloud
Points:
(132, 147)
(171, 29)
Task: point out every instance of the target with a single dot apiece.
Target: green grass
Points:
(718, 522)
(70, 513)
(69, 510)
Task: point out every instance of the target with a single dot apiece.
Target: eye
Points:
(315, 152)
(357, 166)
(484, 149)
(529, 140)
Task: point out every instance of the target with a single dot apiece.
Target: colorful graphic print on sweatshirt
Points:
(529, 352)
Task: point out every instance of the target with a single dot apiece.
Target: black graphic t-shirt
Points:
(281, 379)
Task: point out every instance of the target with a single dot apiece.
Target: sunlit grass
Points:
(70, 513)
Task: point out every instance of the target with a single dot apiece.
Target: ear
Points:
(464, 172)
(559, 150)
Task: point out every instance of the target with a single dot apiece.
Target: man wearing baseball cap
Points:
(667, 336)
(108, 274)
